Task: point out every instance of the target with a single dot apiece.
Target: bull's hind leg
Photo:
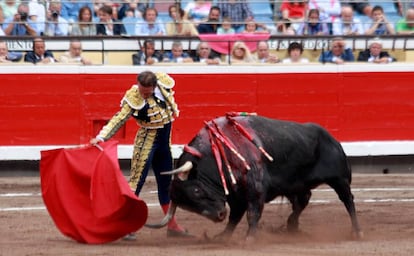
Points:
(299, 203)
(343, 189)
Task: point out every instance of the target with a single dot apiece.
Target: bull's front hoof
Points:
(357, 235)
(178, 233)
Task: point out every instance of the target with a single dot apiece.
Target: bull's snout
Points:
(216, 216)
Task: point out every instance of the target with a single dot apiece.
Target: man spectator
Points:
(361, 6)
(204, 55)
(338, 53)
(379, 23)
(405, 26)
(56, 25)
(150, 25)
(374, 53)
(263, 54)
(74, 55)
(238, 11)
(177, 55)
(213, 22)
(20, 24)
(107, 25)
(347, 24)
(39, 53)
(6, 56)
(147, 55)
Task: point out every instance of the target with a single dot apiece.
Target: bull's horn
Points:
(183, 168)
(168, 216)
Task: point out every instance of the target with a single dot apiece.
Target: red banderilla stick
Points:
(246, 134)
(218, 161)
(226, 162)
(227, 144)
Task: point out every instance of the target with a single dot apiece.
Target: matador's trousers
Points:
(152, 148)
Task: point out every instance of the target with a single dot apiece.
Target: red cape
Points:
(87, 195)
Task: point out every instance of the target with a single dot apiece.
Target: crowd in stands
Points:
(137, 17)
(38, 18)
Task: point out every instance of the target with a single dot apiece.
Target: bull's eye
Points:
(197, 192)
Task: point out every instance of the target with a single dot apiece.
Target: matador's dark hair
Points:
(147, 79)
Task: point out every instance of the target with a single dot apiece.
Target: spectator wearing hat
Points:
(374, 53)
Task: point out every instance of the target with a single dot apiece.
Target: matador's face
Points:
(146, 92)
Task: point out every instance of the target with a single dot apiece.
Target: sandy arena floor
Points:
(385, 207)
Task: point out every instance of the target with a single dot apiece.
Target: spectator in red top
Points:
(294, 10)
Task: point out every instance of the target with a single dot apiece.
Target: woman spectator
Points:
(179, 25)
(197, 11)
(240, 53)
(313, 25)
(85, 25)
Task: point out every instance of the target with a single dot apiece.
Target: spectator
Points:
(6, 56)
(361, 6)
(211, 25)
(74, 55)
(295, 51)
(313, 25)
(85, 26)
(405, 26)
(147, 54)
(238, 11)
(252, 27)
(179, 25)
(150, 25)
(71, 8)
(108, 26)
(240, 53)
(379, 24)
(263, 54)
(338, 53)
(133, 6)
(374, 53)
(56, 25)
(284, 27)
(226, 28)
(294, 10)
(347, 24)
(329, 10)
(39, 53)
(204, 55)
(9, 8)
(177, 55)
(37, 14)
(197, 11)
(20, 24)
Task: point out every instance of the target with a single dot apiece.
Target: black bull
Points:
(304, 157)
